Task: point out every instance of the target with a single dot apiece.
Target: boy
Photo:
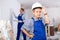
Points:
(34, 28)
(21, 19)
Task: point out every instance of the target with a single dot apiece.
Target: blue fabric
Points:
(19, 28)
(39, 30)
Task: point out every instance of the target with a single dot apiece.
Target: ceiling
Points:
(47, 3)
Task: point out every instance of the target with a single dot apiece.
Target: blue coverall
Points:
(39, 30)
(19, 28)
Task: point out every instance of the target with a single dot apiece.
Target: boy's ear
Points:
(33, 11)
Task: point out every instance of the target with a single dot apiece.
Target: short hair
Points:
(22, 9)
(37, 8)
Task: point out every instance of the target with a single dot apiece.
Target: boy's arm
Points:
(46, 19)
(46, 16)
(27, 34)
(26, 28)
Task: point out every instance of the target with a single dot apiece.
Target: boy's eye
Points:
(38, 11)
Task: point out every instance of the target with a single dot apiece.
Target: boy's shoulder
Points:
(28, 21)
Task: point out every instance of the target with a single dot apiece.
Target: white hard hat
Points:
(37, 4)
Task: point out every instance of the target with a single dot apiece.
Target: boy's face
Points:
(21, 11)
(37, 12)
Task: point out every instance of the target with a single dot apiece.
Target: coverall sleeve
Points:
(26, 25)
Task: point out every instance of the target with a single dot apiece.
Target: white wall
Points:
(0, 13)
(28, 13)
(6, 5)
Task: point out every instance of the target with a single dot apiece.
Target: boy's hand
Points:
(46, 16)
(31, 35)
(44, 10)
(26, 32)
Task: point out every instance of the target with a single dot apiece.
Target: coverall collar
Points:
(37, 19)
